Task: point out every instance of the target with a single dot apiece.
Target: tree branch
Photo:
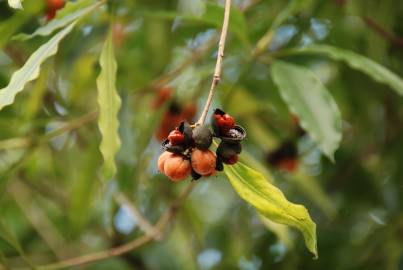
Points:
(218, 66)
(398, 41)
(164, 220)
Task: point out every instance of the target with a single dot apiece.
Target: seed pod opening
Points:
(236, 134)
(222, 123)
(202, 137)
(177, 149)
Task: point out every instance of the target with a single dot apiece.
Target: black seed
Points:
(235, 146)
(202, 137)
(226, 150)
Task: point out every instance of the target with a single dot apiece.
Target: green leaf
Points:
(9, 237)
(71, 12)
(308, 98)
(31, 68)
(378, 72)
(271, 202)
(83, 189)
(10, 26)
(16, 4)
(109, 105)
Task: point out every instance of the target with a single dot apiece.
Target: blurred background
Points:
(54, 204)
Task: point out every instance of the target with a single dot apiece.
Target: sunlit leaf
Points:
(16, 4)
(31, 68)
(71, 12)
(308, 98)
(271, 202)
(371, 68)
(109, 105)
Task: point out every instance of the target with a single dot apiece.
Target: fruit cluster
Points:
(187, 148)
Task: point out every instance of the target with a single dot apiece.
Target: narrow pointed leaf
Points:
(109, 105)
(71, 12)
(376, 71)
(254, 188)
(308, 98)
(31, 68)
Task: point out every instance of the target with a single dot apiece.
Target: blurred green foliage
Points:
(55, 204)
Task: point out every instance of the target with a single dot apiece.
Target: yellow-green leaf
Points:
(308, 98)
(71, 12)
(271, 202)
(30, 70)
(109, 105)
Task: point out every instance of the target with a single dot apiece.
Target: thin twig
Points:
(141, 220)
(24, 142)
(398, 41)
(218, 66)
(72, 125)
(164, 220)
